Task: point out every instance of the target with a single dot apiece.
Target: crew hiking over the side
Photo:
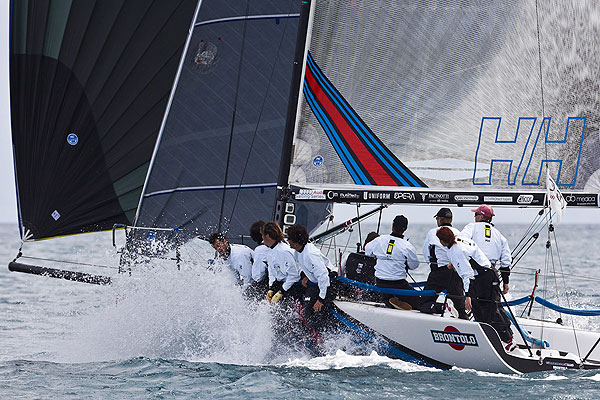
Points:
(315, 269)
(284, 277)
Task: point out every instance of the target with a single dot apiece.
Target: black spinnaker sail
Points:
(90, 82)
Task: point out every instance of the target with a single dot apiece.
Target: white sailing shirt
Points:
(259, 266)
(282, 265)
(489, 239)
(315, 266)
(459, 255)
(439, 251)
(393, 255)
(240, 260)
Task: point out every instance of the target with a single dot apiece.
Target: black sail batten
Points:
(89, 85)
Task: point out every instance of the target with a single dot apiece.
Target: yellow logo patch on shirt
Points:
(390, 246)
(488, 231)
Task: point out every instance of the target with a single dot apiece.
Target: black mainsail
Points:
(217, 159)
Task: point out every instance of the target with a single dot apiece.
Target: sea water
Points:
(189, 333)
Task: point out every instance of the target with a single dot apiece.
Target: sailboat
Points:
(177, 120)
(429, 102)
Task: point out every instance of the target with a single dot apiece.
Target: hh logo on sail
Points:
(514, 152)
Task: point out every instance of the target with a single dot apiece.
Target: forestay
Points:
(449, 102)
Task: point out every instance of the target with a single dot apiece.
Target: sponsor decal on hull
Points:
(453, 337)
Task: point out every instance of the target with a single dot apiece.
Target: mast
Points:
(290, 123)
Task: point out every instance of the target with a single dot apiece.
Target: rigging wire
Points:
(528, 231)
(537, 20)
(565, 274)
(566, 294)
(379, 220)
(545, 275)
(234, 113)
(358, 216)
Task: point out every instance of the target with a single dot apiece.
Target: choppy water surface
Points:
(190, 333)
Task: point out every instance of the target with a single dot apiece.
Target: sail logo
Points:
(453, 337)
(72, 139)
(515, 154)
(318, 161)
(55, 214)
(207, 56)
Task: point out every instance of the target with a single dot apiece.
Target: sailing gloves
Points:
(273, 297)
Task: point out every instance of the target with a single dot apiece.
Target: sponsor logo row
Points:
(419, 197)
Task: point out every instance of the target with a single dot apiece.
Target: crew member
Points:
(238, 257)
(479, 280)
(260, 280)
(489, 239)
(284, 277)
(315, 268)
(441, 277)
(395, 255)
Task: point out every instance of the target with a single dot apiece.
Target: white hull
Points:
(446, 342)
(562, 337)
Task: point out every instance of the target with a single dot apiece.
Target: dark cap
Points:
(400, 222)
(443, 213)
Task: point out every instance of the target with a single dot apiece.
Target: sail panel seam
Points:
(215, 187)
(246, 18)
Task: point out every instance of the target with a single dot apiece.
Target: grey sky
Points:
(8, 208)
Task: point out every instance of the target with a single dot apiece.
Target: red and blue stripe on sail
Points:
(367, 159)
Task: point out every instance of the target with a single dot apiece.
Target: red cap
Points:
(484, 209)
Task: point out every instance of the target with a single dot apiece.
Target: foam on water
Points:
(593, 378)
(341, 360)
(196, 314)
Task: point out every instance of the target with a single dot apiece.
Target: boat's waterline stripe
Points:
(216, 187)
(246, 17)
